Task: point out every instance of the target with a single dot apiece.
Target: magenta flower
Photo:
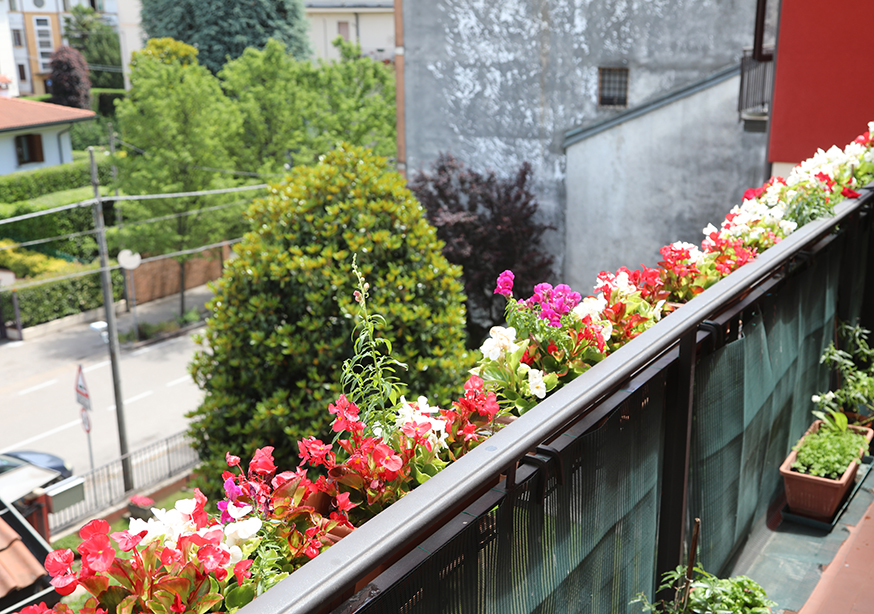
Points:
(505, 284)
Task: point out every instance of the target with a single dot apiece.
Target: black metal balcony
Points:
(756, 86)
(580, 503)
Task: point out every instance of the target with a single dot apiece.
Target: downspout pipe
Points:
(60, 143)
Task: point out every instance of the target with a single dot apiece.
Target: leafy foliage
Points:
(25, 185)
(98, 42)
(222, 30)
(58, 299)
(178, 120)
(488, 225)
(284, 311)
(828, 452)
(707, 594)
(294, 110)
(856, 369)
(70, 83)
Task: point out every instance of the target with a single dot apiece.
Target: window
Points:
(28, 147)
(13, 6)
(613, 87)
(17, 38)
(343, 29)
(42, 26)
(22, 73)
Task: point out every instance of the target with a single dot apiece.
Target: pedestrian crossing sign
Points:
(82, 390)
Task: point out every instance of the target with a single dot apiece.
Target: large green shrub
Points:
(30, 184)
(53, 300)
(284, 312)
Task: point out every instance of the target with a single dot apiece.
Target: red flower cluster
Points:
(473, 413)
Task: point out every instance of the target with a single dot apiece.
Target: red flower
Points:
(170, 556)
(97, 552)
(212, 557)
(241, 570)
(64, 585)
(850, 193)
(262, 462)
(199, 516)
(95, 527)
(177, 606)
(233, 461)
(343, 502)
(386, 457)
(58, 561)
(42, 608)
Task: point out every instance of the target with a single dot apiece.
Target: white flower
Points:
(238, 510)
(238, 532)
(499, 343)
(816, 398)
(422, 412)
(590, 306)
(535, 383)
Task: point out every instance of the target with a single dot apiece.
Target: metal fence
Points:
(756, 84)
(104, 486)
(582, 502)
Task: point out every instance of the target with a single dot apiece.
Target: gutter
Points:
(47, 124)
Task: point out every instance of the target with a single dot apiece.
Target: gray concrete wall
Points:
(497, 82)
(656, 179)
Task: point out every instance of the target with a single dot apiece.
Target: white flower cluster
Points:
(536, 385)
(501, 341)
(169, 525)
(594, 306)
(422, 412)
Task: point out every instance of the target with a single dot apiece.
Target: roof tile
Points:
(19, 113)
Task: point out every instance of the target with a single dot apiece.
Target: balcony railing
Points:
(104, 485)
(582, 501)
(756, 86)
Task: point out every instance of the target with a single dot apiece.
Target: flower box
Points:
(816, 497)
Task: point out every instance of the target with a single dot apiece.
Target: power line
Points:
(91, 201)
(184, 252)
(72, 235)
(206, 168)
(184, 213)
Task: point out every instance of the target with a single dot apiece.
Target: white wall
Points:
(655, 179)
(7, 56)
(50, 148)
(375, 31)
(130, 33)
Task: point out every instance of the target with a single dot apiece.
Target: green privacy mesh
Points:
(752, 402)
(589, 546)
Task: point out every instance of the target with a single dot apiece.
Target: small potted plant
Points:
(140, 506)
(823, 464)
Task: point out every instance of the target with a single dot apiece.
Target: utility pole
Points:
(111, 327)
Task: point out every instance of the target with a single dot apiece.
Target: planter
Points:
(813, 496)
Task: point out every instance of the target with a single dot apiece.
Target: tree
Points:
(488, 226)
(178, 120)
(283, 314)
(221, 30)
(71, 86)
(98, 42)
(294, 110)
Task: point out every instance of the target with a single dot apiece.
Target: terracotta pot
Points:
(813, 496)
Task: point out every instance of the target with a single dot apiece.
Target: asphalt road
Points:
(38, 408)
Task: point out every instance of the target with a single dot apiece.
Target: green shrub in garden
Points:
(284, 310)
(24, 185)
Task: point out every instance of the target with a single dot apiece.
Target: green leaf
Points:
(239, 596)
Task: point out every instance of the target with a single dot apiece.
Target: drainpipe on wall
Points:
(357, 31)
(399, 87)
(60, 144)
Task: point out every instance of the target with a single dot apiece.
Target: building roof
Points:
(17, 114)
(18, 567)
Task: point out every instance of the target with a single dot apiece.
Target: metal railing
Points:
(756, 84)
(104, 486)
(518, 524)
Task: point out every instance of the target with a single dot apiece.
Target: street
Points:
(38, 405)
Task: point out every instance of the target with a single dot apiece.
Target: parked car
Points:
(41, 459)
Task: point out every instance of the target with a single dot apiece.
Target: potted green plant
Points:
(855, 367)
(822, 466)
(697, 592)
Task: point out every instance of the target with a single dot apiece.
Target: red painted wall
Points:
(824, 84)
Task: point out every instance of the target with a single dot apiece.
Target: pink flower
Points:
(386, 457)
(232, 460)
(142, 501)
(128, 541)
(41, 608)
(343, 502)
(95, 527)
(315, 452)
(64, 585)
(505, 284)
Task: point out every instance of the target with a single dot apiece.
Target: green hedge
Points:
(30, 184)
(53, 300)
(103, 100)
